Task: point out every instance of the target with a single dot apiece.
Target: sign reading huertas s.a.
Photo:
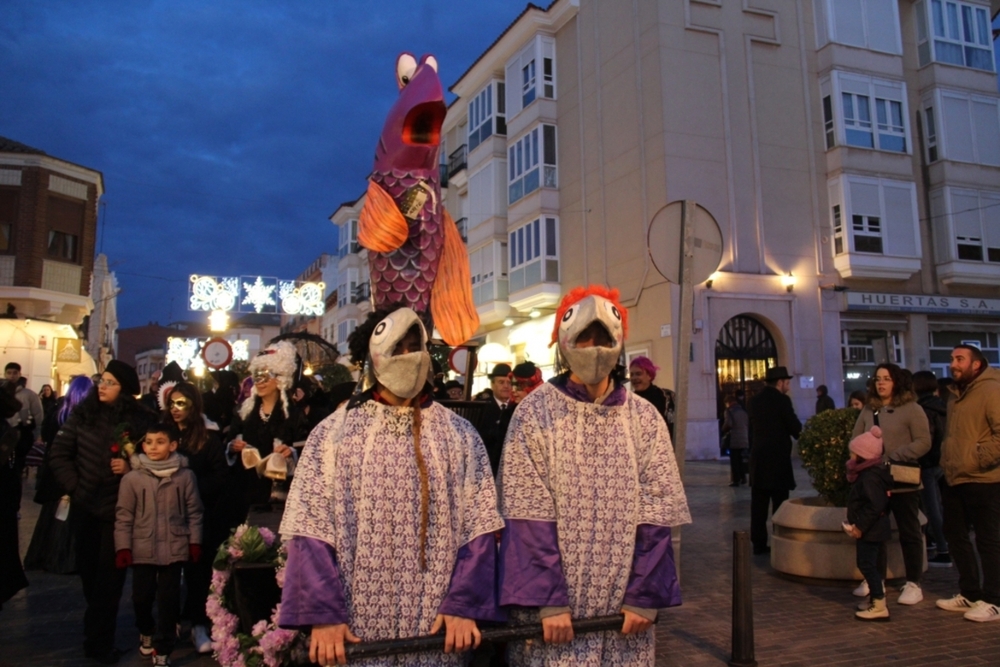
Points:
(923, 303)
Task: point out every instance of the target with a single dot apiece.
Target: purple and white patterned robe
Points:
(352, 521)
(589, 493)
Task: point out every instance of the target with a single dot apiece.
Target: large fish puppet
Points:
(416, 253)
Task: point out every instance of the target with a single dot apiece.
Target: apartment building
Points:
(848, 149)
(353, 294)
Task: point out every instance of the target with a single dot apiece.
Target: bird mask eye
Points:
(406, 67)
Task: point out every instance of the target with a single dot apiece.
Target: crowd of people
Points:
(403, 519)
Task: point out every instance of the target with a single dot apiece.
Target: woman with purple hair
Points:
(641, 373)
(52, 545)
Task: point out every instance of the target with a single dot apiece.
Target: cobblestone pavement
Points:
(795, 623)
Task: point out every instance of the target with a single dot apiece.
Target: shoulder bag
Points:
(905, 474)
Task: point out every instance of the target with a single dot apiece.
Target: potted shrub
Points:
(808, 540)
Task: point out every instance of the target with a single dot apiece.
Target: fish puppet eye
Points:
(406, 66)
(382, 330)
(610, 307)
(567, 320)
(430, 61)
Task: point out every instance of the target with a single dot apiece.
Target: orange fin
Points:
(454, 314)
(381, 227)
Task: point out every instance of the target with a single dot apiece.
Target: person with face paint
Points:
(391, 517)
(589, 490)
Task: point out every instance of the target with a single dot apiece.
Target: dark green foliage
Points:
(824, 451)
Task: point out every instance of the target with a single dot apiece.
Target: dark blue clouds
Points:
(227, 132)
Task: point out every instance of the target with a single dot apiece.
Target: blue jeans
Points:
(867, 559)
(931, 497)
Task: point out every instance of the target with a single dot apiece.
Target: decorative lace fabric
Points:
(598, 472)
(357, 488)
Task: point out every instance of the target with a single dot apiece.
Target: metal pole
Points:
(684, 334)
(743, 649)
(389, 647)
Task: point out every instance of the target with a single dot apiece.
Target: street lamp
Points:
(218, 320)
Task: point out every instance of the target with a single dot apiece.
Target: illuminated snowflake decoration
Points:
(183, 350)
(259, 295)
(241, 349)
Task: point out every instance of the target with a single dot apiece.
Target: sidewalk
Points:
(795, 623)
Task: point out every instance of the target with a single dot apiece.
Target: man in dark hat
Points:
(496, 418)
(773, 424)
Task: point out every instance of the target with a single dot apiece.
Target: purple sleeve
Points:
(531, 566)
(472, 593)
(313, 593)
(652, 584)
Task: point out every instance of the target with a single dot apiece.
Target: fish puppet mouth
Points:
(422, 125)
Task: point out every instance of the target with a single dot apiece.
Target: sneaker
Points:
(146, 644)
(199, 637)
(956, 603)
(983, 612)
(861, 591)
(875, 611)
(910, 594)
(940, 560)
(161, 660)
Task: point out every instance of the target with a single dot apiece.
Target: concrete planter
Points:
(808, 541)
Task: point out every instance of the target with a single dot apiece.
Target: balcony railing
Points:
(361, 293)
(458, 160)
(463, 228)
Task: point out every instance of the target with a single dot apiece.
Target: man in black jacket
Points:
(496, 417)
(773, 423)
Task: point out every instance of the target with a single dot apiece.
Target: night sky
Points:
(227, 132)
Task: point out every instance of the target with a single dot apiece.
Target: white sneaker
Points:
(910, 594)
(957, 603)
(199, 637)
(861, 592)
(146, 644)
(983, 612)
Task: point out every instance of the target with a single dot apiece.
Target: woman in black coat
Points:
(12, 577)
(200, 443)
(87, 460)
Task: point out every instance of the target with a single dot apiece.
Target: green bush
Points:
(824, 451)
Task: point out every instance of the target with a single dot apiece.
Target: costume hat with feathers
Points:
(279, 359)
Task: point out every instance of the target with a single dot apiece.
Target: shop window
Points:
(956, 33)
(534, 256)
(943, 342)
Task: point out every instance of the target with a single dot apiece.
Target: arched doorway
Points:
(744, 351)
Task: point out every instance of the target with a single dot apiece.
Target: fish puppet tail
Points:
(382, 227)
(454, 313)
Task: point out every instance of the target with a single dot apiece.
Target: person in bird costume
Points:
(391, 517)
(589, 490)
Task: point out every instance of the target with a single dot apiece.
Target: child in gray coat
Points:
(158, 526)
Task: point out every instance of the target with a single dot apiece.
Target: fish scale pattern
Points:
(407, 274)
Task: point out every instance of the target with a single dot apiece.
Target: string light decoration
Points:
(211, 293)
(259, 294)
(256, 294)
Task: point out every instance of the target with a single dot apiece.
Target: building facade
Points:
(849, 151)
(48, 228)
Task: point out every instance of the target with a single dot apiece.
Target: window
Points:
(349, 238)
(534, 254)
(970, 223)
(9, 200)
(488, 267)
(943, 342)
(866, 24)
(930, 130)
(65, 221)
(874, 216)
(345, 290)
(345, 329)
(482, 115)
(966, 127)
(522, 74)
(956, 33)
(872, 112)
(867, 233)
(525, 173)
(63, 246)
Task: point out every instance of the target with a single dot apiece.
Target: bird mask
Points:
(402, 374)
(578, 310)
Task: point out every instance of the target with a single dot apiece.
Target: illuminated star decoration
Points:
(259, 295)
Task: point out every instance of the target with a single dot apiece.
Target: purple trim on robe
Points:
(531, 572)
(653, 584)
(577, 391)
(472, 592)
(313, 593)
